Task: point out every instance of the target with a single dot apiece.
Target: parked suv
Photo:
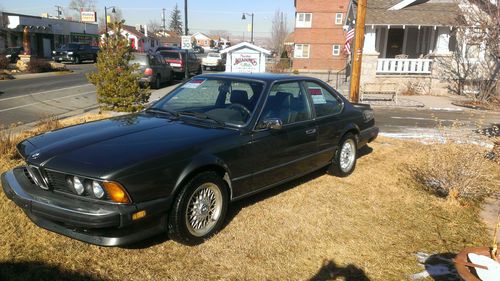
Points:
(177, 60)
(75, 53)
(154, 69)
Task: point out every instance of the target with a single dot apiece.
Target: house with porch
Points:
(139, 40)
(408, 41)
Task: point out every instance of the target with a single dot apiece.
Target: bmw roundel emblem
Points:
(35, 156)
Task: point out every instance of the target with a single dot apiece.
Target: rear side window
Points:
(325, 103)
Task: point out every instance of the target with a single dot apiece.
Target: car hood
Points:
(100, 148)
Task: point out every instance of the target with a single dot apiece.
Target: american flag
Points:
(348, 38)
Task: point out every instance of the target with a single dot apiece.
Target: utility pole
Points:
(59, 12)
(186, 31)
(358, 50)
(163, 19)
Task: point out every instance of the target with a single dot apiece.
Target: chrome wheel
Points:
(347, 155)
(203, 209)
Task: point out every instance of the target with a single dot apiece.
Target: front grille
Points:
(37, 176)
(58, 181)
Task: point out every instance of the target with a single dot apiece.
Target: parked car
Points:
(12, 53)
(75, 53)
(154, 69)
(177, 59)
(176, 166)
(198, 50)
(214, 60)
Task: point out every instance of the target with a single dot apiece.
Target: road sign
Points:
(186, 42)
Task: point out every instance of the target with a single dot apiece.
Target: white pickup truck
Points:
(214, 61)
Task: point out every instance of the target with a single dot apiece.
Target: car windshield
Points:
(213, 55)
(139, 59)
(229, 101)
(70, 47)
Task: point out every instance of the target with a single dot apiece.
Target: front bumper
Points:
(61, 58)
(97, 223)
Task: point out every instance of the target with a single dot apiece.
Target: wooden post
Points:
(358, 50)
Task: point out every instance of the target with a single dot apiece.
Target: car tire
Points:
(95, 59)
(77, 60)
(199, 71)
(344, 160)
(199, 210)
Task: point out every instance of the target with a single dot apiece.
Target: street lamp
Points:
(244, 18)
(106, 16)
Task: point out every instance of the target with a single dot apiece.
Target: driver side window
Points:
(287, 102)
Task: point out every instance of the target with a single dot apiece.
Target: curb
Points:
(41, 75)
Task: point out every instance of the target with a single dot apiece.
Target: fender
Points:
(201, 163)
(349, 127)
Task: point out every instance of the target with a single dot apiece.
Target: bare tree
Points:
(279, 32)
(81, 5)
(475, 65)
(219, 33)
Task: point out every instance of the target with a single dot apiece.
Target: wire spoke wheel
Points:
(347, 155)
(204, 209)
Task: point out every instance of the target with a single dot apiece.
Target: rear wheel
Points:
(344, 160)
(199, 210)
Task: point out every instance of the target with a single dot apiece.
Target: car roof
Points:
(267, 77)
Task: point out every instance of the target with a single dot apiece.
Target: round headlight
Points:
(78, 186)
(97, 189)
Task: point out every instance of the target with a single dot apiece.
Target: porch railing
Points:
(404, 66)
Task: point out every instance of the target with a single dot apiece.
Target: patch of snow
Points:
(446, 108)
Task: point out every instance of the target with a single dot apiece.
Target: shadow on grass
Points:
(439, 267)
(364, 151)
(331, 271)
(13, 271)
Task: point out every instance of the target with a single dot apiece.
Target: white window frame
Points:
(301, 22)
(339, 17)
(336, 50)
(299, 54)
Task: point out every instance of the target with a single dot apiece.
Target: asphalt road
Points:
(27, 100)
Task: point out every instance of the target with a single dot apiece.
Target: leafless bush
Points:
(38, 66)
(456, 171)
(411, 89)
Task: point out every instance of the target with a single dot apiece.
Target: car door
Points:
(284, 153)
(328, 107)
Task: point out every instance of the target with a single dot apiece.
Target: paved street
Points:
(27, 100)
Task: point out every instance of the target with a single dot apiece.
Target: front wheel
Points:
(345, 157)
(199, 210)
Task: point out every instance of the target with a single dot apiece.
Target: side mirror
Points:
(272, 123)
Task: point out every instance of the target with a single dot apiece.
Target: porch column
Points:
(443, 40)
(370, 40)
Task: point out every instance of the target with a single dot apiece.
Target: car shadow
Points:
(235, 207)
(331, 271)
(39, 271)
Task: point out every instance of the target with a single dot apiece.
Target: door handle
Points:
(311, 131)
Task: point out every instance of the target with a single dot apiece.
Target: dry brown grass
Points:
(366, 225)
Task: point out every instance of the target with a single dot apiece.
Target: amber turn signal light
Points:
(116, 192)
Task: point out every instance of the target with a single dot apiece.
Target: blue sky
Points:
(204, 15)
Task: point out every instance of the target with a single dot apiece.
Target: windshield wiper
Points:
(201, 115)
(162, 111)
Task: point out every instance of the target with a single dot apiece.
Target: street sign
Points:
(88, 16)
(186, 42)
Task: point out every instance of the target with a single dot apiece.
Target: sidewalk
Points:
(443, 103)
(22, 76)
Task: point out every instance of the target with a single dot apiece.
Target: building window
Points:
(338, 18)
(303, 20)
(301, 51)
(336, 50)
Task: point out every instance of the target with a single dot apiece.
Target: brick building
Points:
(319, 35)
